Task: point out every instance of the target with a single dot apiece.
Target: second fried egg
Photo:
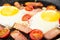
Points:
(44, 20)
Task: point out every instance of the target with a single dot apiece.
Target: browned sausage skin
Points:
(51, 7)
(17, 4)
(34, 3)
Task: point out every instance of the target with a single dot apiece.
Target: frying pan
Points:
(55, 2)
(45, 2)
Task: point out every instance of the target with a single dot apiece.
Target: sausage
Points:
(51, 7)
(59, 21)
(34, 3)
(16, 4)
(22, 27)
(18, 36)
(52, 33)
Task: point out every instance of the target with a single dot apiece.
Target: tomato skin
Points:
(59, 20)
(26, 17)
(6, 34)
(38, 36)
(29, 8)
(51, 7)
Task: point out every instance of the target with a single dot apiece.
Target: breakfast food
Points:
(22, 27)
(40, 21)
(9, 15)
(9, 11)
(44, 20)
(35, 11)
(36, 34)
(52, 33)
(4, 33)
(29, 8)
(50, 15)
(59, 21)
(51, 7)
(26, 17)
(17, 35)
(34, 3)
(1, 27)
(6, 4)
(17, 4)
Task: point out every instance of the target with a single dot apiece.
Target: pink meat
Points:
(1, 27)
(34, 11)
(22, 28)
(18, 36)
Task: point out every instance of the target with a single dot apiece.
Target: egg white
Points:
(10, 20)
(36, 22)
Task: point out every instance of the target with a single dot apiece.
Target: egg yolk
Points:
(9, 11)
(50, 16)
(59, 15)
(0, 11)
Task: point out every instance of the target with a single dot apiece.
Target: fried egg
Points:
(44, 20)
(9, 15)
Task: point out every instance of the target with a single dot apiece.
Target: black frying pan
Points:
(45, 2)
(55, 2)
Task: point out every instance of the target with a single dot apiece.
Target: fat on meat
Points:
(22, 27)
(18, 35)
